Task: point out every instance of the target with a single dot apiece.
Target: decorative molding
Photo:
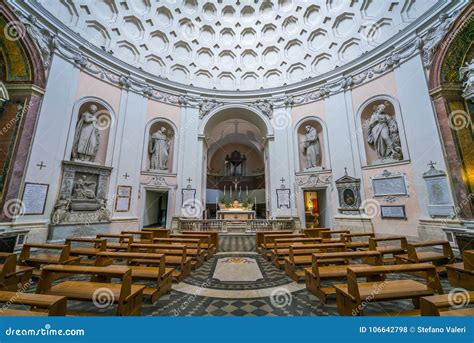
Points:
(158, 181)
(313, 180)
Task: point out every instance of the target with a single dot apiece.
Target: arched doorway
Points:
(236, 163)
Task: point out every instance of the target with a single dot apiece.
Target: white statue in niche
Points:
(383, 135)
(86, 138)
(159, 149)
(466, 74)
(312, 148)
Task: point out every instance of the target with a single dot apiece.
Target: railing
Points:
(223, 225)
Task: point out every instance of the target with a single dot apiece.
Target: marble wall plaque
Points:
(393, 212)
(188, 195)
(34, 198)
(123, 199)
(392, 185)
(283, 198)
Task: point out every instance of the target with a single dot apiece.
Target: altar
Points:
(235, 214)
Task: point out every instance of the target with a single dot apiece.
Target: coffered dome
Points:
(228, 44)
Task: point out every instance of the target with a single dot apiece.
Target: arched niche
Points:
(302, 140)
(154, 131)
(93, 125)
(381, 131)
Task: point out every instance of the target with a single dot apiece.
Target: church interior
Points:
(237, 158)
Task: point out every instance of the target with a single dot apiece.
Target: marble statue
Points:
(61, 210)
(86, 139)
(466, 74)
(159, 150)
(311, 148)
(434, 36)
(383, 135)
(84, 189)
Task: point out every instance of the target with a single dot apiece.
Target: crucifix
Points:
(189, 180)
(282, 180)
(126, 176)
(41, 165)
(235, 182)
(432, 164)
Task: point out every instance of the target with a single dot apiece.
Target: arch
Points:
(326, 160)
(398, 118)
(146, 137)
(111, 129)
(264, 121)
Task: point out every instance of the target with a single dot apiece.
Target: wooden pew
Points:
(37, 304)
(127, 296)
(38, 260)
(301, 255)
(116, 242)
(281, 248)
(175, 257)
(206, 243)
(158, 232)
(462, 274)
(157, 272)
(259, 235)
(320, 271)
(269, 242)
(143, 236)
(193, 248)
(440, 305)
(89, 252)
(438, 259)
(356, 241)
(13, 276)
(392, 249)
(315, 232)
(213, 234)
(351, 296)
(327, 236)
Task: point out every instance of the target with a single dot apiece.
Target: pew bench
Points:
(214, 237)
(315, 232)
(281, 248)
(175, 257)
(125, 295)
(439, 259)
(380, 244)
(88, 248)
(193, 248)
(351, 296)
(462, 274)
(39, 260)
(259, 236)
(13, 276)
(301, 255)
(158, 232)
(440, 305)
(269, 242)
(153, 268)
(320, 271)
(206, 243)
(116, 242)
(37, 304)
(356, 241)
(327, 236)
(140, 236)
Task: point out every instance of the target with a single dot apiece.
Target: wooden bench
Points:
(315, 232)
(206, 243)
(96, 245)
(13, 276)
(175, 257)
(320, 271)
(259, 235)
(438, 259)
(301, 255)
(352, 296)
(213, 234)
(38, 260)
(281, 248)
(193, 248)
(327, 236)
(143, 236)
(462, 274)
(269, 242)
(356, 241)
(157, 272)
(389, 249)
(127, 296)
(158, 232)
(440, 305)
(116, 242)
(37, 304)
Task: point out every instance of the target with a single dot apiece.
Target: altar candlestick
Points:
(231, 192)
(247, 190)
(224, 191)
(240, 191)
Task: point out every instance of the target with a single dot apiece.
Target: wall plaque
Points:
(188, 197)
(34, 198)
(389, 184)
(123, 199)
(283, 198)
(439, 201)
(348, 189)
(393, 212)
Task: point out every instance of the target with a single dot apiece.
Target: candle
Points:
(247, 190)
(231, 192)
(224, 191)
